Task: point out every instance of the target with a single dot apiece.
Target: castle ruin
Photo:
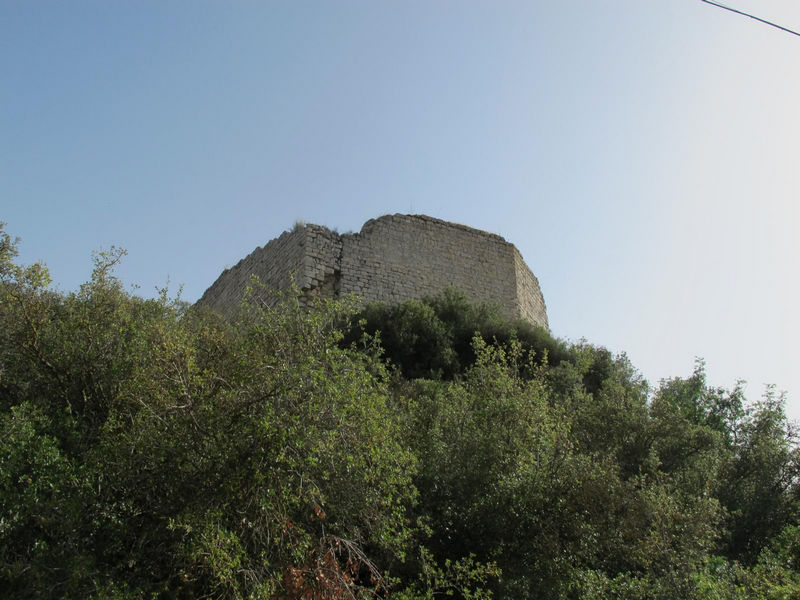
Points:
(393, 258)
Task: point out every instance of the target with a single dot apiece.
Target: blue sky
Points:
(643, 156)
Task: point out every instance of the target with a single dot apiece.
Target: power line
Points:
(739, 12)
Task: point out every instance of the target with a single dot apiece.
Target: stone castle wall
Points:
(392, 259)
(529, 303)
(275, 264)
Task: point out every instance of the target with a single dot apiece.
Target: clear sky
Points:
(643, 156)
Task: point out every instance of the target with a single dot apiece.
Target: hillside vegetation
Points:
(433, 449)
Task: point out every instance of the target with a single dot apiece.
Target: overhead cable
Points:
(739, 12)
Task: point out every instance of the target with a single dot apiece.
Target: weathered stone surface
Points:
(393, 258)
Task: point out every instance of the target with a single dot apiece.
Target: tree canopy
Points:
(154, 450)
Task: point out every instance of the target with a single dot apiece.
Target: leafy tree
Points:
(151, 450)
(744, 455)
(432, 338)
(760, 484)
(155, 450)
(497, 474)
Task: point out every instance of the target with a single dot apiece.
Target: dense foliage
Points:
(153, 450)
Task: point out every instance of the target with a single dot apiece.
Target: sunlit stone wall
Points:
(393, 258)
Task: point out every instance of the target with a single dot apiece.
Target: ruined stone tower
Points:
(393, 258)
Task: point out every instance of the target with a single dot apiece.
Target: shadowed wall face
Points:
(392, 259)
